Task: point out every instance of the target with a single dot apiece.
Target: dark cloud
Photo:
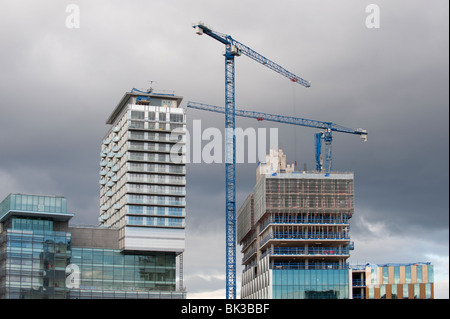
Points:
(59, 85)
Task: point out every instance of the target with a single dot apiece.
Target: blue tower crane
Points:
(325, 135)
(235, 48)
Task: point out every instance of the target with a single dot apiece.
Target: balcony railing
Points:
(155, 168)
(173, 202)
(160, 180)
(306, 236)
(249, 254)
(333, 251)
(289, 265)
(358, 283)
(144, 136)
(150, 147)
(306, 220)
(156, 190)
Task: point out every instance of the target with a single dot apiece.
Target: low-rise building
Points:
(41, 256)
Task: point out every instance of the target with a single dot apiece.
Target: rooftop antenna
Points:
(150, 90)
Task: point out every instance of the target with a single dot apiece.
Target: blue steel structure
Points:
(326, 135)
(235, 48)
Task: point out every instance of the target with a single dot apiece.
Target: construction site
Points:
(288, 231)
(293, 228)
(296, 221)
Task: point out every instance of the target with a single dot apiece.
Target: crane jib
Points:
(228, 40)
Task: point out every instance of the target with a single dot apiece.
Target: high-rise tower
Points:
(142, 189)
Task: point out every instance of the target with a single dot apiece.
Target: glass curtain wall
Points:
(33, 259)
(310, 284)
(107, 273)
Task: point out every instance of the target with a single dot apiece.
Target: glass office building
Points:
(34, 248)
(42, 257)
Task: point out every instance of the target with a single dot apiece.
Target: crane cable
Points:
(295, 126)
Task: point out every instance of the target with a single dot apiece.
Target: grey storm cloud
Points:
(59, 85)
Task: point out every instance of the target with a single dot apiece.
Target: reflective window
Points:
(36, 260)
(419, 273)
(137, 115)
(382, 291)
(371, 292)
(34, 203)
(35, 263)
(385, 275)
(396, 274)
(408, 274)
(176, 117)
(310, 284)
(394, 291)
(430, 273)
(405, 292)
(416, 291)
(427, 291)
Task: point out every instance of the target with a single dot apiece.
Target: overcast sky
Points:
(59, 85)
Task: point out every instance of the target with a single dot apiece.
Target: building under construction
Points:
(294, 233)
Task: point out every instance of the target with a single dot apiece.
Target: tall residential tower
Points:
(142, 189)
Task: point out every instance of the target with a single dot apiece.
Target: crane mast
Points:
(235, 48)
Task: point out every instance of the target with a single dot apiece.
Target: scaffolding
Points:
(298, 218)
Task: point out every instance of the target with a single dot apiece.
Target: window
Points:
(167, 102)
(396, 274)
(136, 124)
(427, 291)
(137, 115)
(176, 118)
(371, 292)
(408, 274)
(161, 221)
(137, 145)
(382, 291)
(416, 291)
(430, 273)
(374, 276)
(419, 274)
(174, 211)
(155, 101)
(385, 275)
(135, 209)
(394, 291)
(135, 220)
(405, 292)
